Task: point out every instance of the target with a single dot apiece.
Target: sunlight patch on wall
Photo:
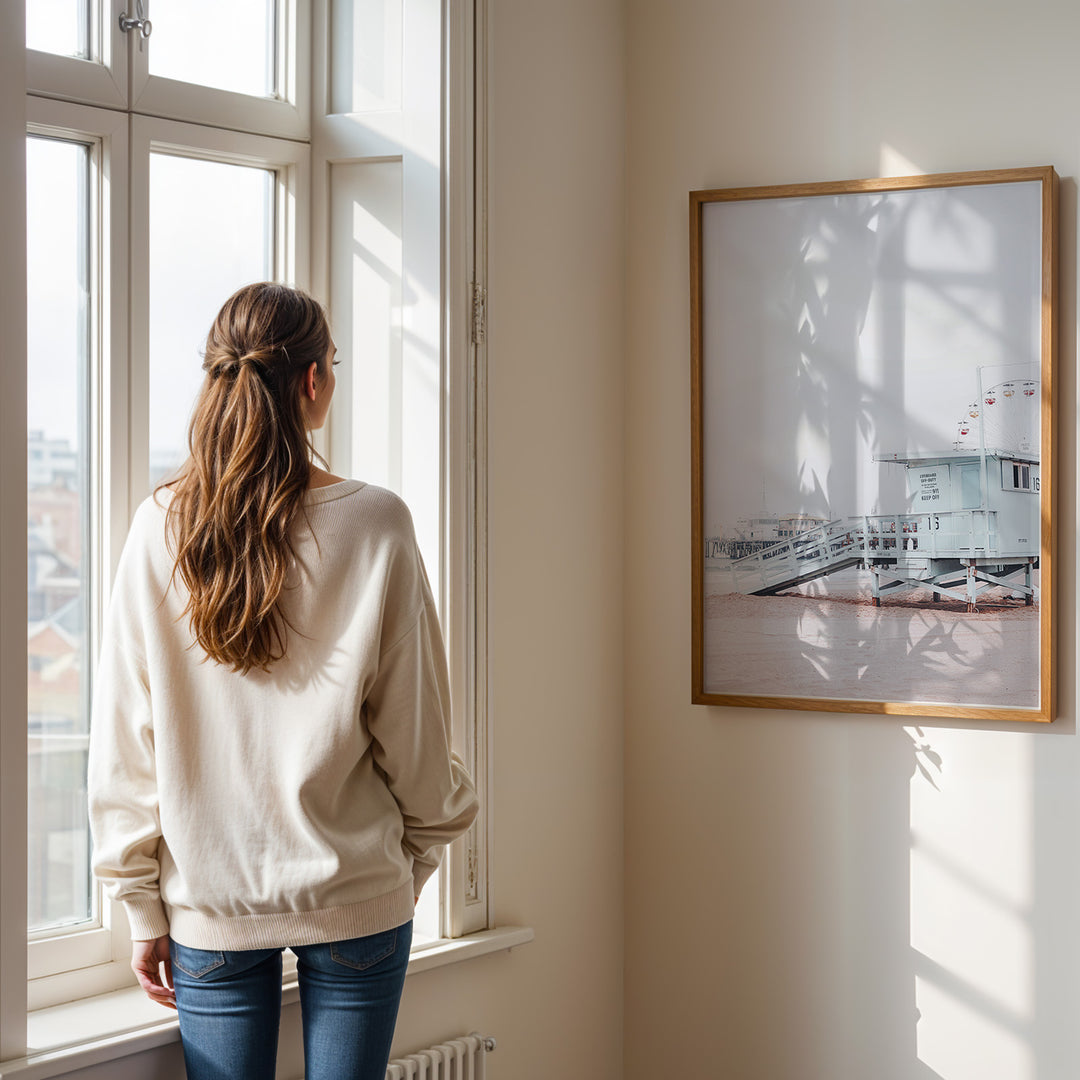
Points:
(963, 1043)
(893, 163)
(971, 899)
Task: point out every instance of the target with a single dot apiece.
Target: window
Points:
(1019, 476)
(125, 265)
(142, 153)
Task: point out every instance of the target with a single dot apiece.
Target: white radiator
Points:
(457, 1059)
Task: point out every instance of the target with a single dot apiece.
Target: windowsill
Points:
(83, 1033)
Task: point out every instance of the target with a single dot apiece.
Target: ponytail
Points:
(242, 488)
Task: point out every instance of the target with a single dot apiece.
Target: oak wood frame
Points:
(1047, 707)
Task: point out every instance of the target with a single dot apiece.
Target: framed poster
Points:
(872, 428)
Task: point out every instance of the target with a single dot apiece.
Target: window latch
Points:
(142, 24)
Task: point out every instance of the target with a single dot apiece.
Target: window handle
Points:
(142, 24)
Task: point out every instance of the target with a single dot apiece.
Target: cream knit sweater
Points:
(304, 805)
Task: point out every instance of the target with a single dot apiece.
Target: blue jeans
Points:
(230, 1007)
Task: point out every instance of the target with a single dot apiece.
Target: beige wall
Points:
(800, 900)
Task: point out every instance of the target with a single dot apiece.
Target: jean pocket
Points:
(195, 962)
(364, 952)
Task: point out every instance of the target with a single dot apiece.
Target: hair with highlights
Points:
(242, 488)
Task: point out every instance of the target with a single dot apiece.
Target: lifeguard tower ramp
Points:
(953, 553)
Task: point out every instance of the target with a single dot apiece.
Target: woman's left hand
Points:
(153, 968)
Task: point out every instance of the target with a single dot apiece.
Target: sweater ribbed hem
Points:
(282, 929)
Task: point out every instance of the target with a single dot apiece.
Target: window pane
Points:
(58, 26)
(227, 46)
(211, 231)
(58, 500)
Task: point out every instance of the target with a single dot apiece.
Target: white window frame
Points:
(121, 135)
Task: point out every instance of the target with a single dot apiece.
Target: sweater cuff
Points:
(146, 919)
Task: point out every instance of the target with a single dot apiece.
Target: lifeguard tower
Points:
(972, 521)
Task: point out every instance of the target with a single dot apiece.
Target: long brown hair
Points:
(242, 487)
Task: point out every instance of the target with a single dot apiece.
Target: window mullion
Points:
(137, 317)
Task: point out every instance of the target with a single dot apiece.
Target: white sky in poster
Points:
(837, 328)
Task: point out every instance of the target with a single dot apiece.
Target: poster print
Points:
(872, 411)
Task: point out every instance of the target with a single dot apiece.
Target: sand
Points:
(829, 641)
